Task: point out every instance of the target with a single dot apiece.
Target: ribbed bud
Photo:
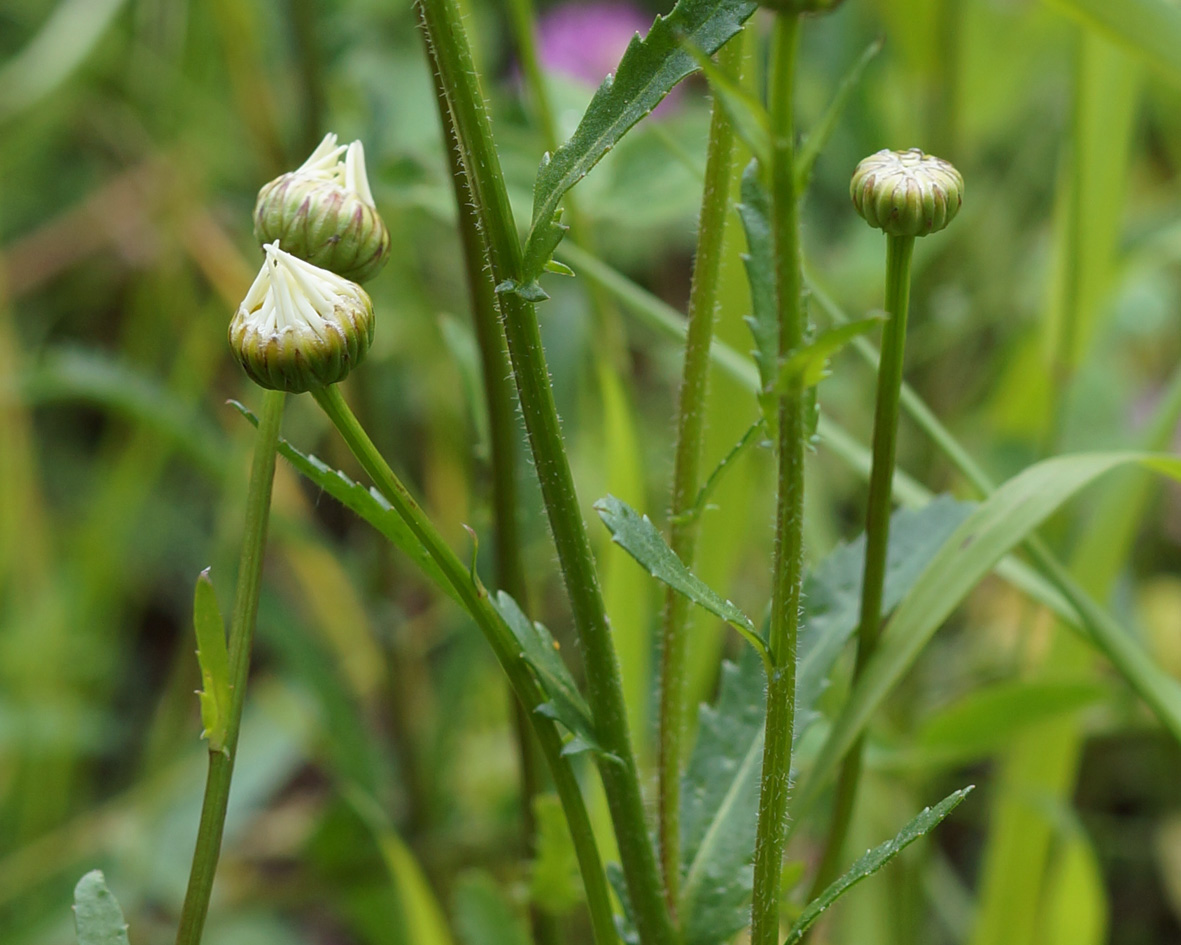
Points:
(324, 213)
(907, 193)
(300, 327)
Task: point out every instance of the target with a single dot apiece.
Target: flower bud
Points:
(907, 193)
(300, 327)
(324, 213)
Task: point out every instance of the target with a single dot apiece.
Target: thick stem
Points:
(476, 602)
(703, 303)
(496, 370)
(221, 763)
(899, 250)
(789, 515)
(445, 33)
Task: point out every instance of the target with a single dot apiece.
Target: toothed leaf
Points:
(213, 658)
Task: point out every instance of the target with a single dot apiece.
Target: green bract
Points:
(324, 212)
(907, 193)
(300, 327)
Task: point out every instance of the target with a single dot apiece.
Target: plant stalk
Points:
(445, 33)
(683, 531)
(789, 514)
(502, 434)
(899, 250)
(221, 763)
(476, 602)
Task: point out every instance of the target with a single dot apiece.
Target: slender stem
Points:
(899, 250)
(221, 763)
(445, 33)
(496, 370)
(476, 602)
(789, 515)
(703, 304)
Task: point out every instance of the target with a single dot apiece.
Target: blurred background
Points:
(375, 800)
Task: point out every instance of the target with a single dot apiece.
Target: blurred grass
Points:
(132, 138)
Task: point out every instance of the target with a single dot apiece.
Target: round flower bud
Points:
(907, 193)
(300, 327)
(324, 213)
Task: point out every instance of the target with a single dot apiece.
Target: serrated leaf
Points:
(818, 137)
(636, 535)
(555, 885)
(721, 784)
(874, 860)
(746, 114)
(646, 74)
(214, 660)
(367, 503)
(755, 213)
(810, 363)
(98, 920)
(540, 650)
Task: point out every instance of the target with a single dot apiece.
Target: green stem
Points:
(221, 763)
(703, 303)
(789, 515)
(496, 370)
(475, 600)
(445, 33)
(899, 250)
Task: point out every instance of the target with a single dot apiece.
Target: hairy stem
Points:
(703, 303)
(899, 250)
(476, 602)
(221, 763)
(789, 514)
(445, 33)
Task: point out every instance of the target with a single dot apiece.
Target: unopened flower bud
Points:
(300, 327)
(907, 193)
(324, 213)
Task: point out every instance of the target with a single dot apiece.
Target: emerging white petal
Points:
(340, 164)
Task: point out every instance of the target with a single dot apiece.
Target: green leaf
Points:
(811, 361)
(482, 915)
(214, 661)
(874, 860)
(720, 796)
(98, 920)
(367, 503)
(747, 116)
(647, 72)
(540, 650)
(721, 784)
(1004, 520)
(819, 135)
(555, 885)
(755, 212)
(1149, 28)
(637, 536)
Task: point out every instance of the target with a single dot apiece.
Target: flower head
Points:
(324, 212)
(300, 326)
(907, 193)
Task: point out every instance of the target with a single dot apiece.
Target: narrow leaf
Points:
(747, 115)
(637, 536)
(755, 212)
(540, 650)
(647, 72)
(819, 135)
(874, 860)
(1150, 29)
(1004, 520)
(367, 503)
(811, 361)
(98, 920)
(213, 658)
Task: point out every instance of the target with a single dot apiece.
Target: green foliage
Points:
(554, 884)
(1151, 29)
(98, 920)
(646, 73)
(873, 861)
(636, 534)
(482, 916)
(214, 661)
(810, 363)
